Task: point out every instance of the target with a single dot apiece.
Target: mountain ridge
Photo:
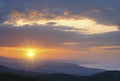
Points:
(8, 74)
(49, 67)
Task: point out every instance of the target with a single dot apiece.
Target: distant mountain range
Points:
(4, 69)
(12, 70)
(47, 67)
(7, 74)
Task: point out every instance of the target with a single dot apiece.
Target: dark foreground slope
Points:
(8, 74)
(105, 76)
(14, 77)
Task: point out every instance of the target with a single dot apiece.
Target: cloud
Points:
(34, 17)
(113, 48)
(108, 13)
(55, 37)
(62, 28)
(43, 34)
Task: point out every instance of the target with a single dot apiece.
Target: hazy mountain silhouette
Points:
(7, 74)
(4, 69)
(67, 68)
(49, 67)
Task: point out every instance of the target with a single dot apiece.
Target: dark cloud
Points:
(46, 35)
(103, 11)
(51, 23)
(55, 36)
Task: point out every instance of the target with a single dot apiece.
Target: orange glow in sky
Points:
(29, 52)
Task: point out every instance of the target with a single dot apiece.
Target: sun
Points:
(31, 53)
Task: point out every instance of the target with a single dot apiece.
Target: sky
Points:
(81, 30)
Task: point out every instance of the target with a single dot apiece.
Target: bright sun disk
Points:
(31, 53)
